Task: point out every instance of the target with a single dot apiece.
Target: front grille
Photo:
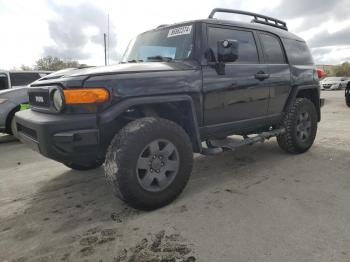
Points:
(39, 98)
(27, 131)
(327, 85)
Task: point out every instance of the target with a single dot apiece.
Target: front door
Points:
(241, 94)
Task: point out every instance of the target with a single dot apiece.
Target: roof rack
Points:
(260, 19)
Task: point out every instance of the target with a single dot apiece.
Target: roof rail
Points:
(260, 19)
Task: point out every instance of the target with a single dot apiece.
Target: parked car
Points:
(11, 101)
(14, 79)
(177, 86)
(14, 96)
(334, 83)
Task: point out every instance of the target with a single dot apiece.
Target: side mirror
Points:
(227, 51)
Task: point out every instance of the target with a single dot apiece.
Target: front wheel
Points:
(149, 162)
(300, 123)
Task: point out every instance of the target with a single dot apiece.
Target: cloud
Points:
(313, 13)
(325, 38)
(68, 31)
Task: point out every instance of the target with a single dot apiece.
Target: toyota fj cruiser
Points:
(177, 86)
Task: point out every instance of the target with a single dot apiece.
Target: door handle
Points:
(262, 76)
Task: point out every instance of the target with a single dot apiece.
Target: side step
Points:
(215, 150)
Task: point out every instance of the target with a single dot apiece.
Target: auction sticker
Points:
(183, 30)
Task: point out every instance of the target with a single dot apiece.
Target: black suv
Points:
(177, 86)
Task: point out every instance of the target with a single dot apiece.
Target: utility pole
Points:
(108, 41)
(104, 41)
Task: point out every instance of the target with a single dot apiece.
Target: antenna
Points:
(104, 42)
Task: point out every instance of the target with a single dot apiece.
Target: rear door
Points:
(238, 95)
(279, 70)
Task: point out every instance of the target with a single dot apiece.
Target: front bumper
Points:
(64, 138)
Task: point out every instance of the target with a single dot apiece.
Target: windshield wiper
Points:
(160, 58)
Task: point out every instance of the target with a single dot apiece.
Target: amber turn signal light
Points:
(85, 96)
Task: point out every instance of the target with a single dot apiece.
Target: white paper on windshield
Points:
(183, 30)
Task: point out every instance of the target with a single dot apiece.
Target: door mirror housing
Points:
(227, 51)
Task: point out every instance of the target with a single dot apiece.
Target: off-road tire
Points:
(289, 141)
(347, 99)
(123, 155)
(84, 166)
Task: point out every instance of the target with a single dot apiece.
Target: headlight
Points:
(57, 100)
(3, 100)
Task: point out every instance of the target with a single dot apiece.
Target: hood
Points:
(132, 68)
(75, 77)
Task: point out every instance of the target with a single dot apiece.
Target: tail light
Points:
(320, 73)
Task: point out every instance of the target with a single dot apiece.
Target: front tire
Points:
(300, 123)
(149, 162)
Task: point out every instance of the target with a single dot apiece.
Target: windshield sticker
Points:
(184, 30)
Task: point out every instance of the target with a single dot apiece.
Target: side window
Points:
(272, 49)
(4, 83)
(247, 48)
(297, 52)
(23, 79)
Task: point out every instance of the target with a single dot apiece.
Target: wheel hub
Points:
(304, 126)
(157, 165)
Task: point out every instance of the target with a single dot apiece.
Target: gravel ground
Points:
(256, 204)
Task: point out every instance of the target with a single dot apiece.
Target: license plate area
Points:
(39, 98)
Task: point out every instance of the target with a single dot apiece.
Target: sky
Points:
(70, 29)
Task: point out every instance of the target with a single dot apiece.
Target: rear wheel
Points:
(347, 98)
(84, 166)
(300, 123)
(149, 162)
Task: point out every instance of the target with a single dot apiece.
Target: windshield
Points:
(165, 44)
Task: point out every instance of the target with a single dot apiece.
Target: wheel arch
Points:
(179, 109)
(9, 117)
(310, 92)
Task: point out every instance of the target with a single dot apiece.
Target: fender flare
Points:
(294, 93)
(113, 112)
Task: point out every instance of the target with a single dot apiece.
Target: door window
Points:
(247, 51)
(272, 49)
(4, 83)
(23, 79)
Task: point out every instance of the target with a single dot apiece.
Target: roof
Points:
(267, 28)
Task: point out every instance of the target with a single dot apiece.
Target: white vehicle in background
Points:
(334, 83)
(13, 79)
(13, 95)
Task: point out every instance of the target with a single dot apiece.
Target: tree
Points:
(343, 69)
(54, 63)
(26, 68)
